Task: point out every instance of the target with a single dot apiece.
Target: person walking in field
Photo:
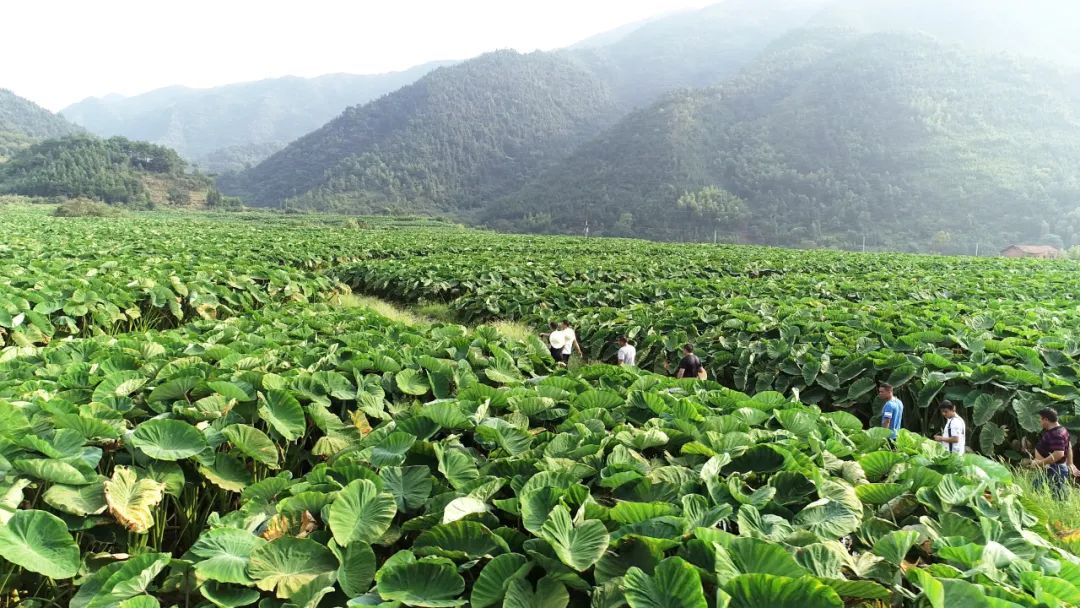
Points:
(1053, 452)
(892, 414)
(953, 436)
(570, 343)
(627, 354)
(556, 342)
(690, 366)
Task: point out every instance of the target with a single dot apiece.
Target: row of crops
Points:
(999, 337)
(62, 278)
(278, 449)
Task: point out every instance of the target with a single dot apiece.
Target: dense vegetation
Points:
(457, 138)
(227, 127)
(830, 138)
(191, 418)
(135, 273)
(268, 446)
(826, 327)
(114, 170)
(23, 122)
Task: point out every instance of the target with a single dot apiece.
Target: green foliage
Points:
(331, 525)
(22, 122)
(291, 449)
(166, 272)
(115, 170)
(85, 208)
(823, 327)
(217, 201)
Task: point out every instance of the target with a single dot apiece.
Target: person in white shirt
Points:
(627, 353)
(953, 435)
(571, 343)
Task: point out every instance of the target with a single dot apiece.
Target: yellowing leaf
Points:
(131, 500)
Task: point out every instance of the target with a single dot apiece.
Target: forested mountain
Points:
(23, 122)
(827, 138)
(689, 49)
(115, 170)
(457, 138)
(233, 126)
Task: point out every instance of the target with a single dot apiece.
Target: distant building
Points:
(1045, 252)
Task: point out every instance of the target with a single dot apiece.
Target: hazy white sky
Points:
(58, 52)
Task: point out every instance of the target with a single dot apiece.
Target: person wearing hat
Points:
(556, 343)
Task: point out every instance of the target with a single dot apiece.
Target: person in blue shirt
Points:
(892, 414)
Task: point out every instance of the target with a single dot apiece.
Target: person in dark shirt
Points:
(1053, 451)
(690, 366)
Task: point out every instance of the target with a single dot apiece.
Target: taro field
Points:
(195, 413)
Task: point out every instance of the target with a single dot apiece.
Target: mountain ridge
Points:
(23, 122)
(267, 114)
(455, 138)
(823, 138)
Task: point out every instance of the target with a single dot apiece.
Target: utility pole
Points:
(714, 236)
(976, 248)
(864, 243)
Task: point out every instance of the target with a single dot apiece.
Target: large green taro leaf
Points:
(769, 591)
(253, 443)
(674, 584)
(549, 593)
(165, 439)
(224, 554)
(357, 569)
(283, 413)
(490, 586)
(229, 596)
(40, 542)
(459, 540)
(828, 519)
(410, 486)
(120, 581)
(361, 513)
(287, 564)
(578, 546)
(431, 582)
(412, 382)
(76, 500)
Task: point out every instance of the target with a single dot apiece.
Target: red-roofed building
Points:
(1045, 252)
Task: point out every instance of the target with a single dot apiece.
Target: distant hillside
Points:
(233, 127)
(827, 138)
(699, 48)
(455, 139)
(23, 122)
(1042, 29)
(114, 170)
(211, 126)
(690, 49)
